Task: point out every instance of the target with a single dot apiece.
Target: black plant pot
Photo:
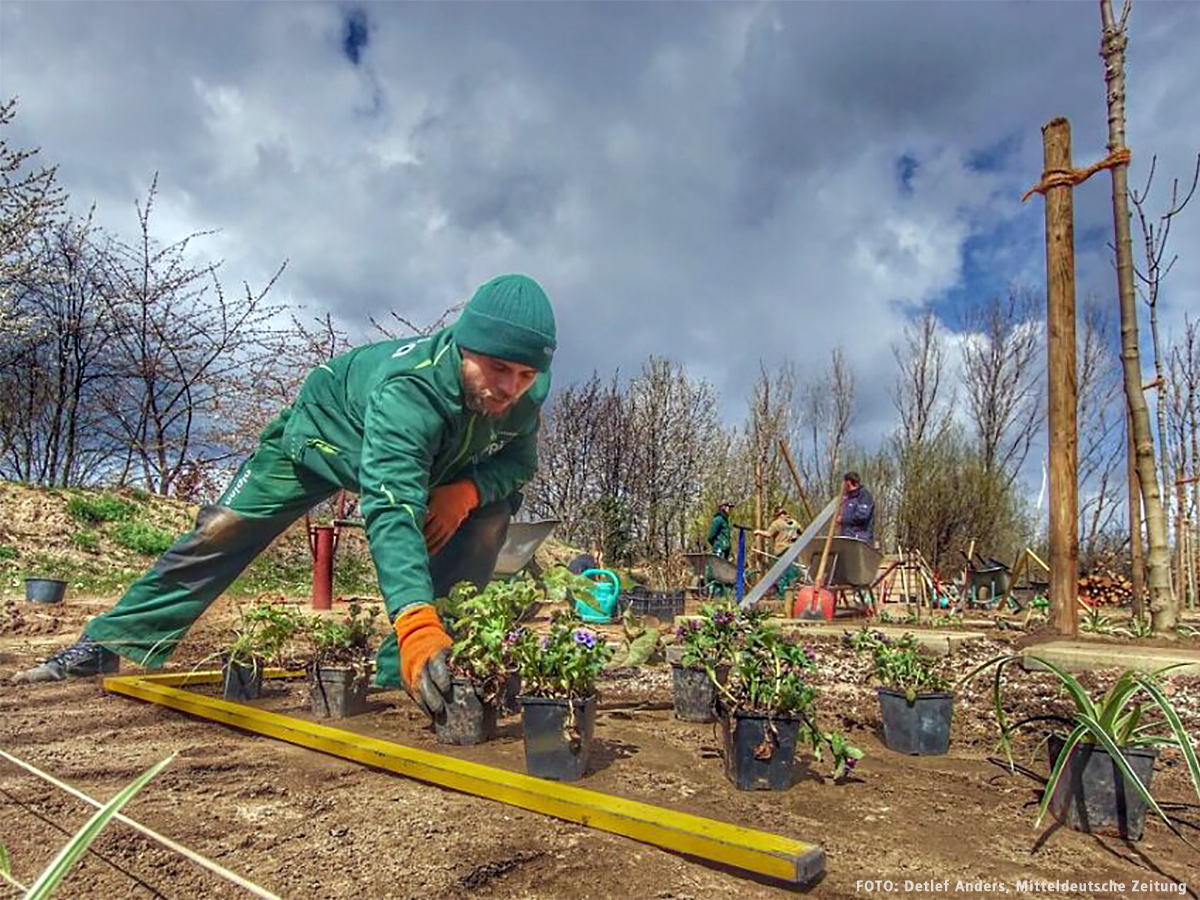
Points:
(922, 727)
(466, 719)
(759, 751)
(555, 746)
(242, 681)
(510, 703)
(1093, 796)
(337, 692)
(45, 590)
(694, 693)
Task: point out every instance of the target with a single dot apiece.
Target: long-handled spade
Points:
(816, 597)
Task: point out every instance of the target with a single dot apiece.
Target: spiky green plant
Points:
(58, 868)
(1113, 721)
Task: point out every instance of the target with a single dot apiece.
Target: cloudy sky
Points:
(721, 183)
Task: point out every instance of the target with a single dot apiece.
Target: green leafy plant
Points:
(1113, 721)
(641, 642)
(709, 641)
(563, 663)
(562, 584)
(1188, 631)
(770, 674)
(58, 868)
(483, 625)
(901, 664)
(1138, 627)
(331, 643)
(96, 510)
(262, 633)
(7, 552)
(141, 537)
(87, 541)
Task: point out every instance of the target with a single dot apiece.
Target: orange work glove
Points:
(424, 657)
(449, 504)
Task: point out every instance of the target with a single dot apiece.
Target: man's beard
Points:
(475, 400)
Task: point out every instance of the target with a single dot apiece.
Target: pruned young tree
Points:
(1002, 377)
(1183, 429)
(182, 343)
(1156, 267)
(1114, 39)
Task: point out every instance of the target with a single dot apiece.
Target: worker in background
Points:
(856, 519)
(782, 533)
(437, 435)
(719, 541)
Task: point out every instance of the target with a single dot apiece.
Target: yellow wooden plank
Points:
(756, 851)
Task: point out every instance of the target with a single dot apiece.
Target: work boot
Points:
(82, 659)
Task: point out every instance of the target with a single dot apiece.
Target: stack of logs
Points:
(1105, 589)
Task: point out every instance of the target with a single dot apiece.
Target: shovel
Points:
(817, 598)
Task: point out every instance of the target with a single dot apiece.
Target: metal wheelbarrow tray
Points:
(722, 570)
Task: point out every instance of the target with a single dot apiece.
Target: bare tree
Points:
(29, 201)
(183, 343)
(1112, 48)
(825, 416)
(769, 423)
(921, 396)
(56, 370)
(671, 418)
(1002, 376)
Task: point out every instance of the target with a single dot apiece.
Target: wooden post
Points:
(1060, 352)
(1135, 523)
(787, 457)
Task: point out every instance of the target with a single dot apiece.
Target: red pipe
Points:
(322, 591)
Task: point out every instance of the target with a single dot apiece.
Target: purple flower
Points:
(851, 762)
(811, 654)
(585, 639)
(723, 617)
(514, 637)
(544, 642)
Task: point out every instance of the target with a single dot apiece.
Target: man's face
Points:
(491, 385)
(850, 486)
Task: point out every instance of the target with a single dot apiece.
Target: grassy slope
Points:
(49, 533)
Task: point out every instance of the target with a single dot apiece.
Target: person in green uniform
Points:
(719, 541)
(436, 434)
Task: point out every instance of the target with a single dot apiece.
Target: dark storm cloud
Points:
(720, 183)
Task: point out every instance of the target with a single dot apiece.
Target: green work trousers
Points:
(268, 493)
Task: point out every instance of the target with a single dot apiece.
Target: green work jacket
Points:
(388, 421)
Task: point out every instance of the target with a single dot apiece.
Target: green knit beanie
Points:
(509, 318)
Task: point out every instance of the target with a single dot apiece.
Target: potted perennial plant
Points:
(707, 646)
(258, 640)
(768, 709)
(484, 628)
(558, 707)
(915, 703)
(339, 661)
(1102, 757)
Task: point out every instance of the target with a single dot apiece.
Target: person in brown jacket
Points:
(782, 532)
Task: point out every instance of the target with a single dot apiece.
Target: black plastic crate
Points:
(662, 605)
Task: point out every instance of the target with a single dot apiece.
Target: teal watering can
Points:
(601, 608)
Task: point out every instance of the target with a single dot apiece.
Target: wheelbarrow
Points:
(522, 542)
(850, 569)
(985, 581)
(714, 574)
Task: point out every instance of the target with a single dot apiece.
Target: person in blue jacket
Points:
(857, 516)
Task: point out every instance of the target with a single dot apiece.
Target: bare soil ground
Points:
(311, 826)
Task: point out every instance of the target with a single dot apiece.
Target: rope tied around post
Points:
(1073, 177)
